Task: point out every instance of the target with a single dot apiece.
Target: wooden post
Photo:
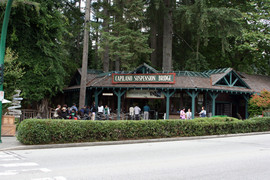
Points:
(168, 95)
(246, 97)
(213, 96)
(193, 95)
(97, 93)
(119, 94)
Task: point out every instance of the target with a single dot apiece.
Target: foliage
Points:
(259, 102)
(36, 36)
(13, 73)
(34, 131)
(125, 38)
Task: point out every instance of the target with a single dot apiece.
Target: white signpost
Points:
(16, 103)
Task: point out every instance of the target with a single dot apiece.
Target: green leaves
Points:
(33, 131)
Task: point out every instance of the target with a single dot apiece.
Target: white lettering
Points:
(164, 78)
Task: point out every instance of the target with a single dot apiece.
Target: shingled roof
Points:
(207, 80)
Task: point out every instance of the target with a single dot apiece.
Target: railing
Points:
(31, 113)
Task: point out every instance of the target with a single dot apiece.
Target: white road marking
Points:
(14, 172)
(39, 169)
(19, 164)
(53, 178)
(9, 172)
(5, 156)
(10, 159)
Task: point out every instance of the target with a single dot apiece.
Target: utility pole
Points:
(85, 54)
(2, 53)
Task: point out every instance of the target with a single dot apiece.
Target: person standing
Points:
(202, 113)
(93, 110)
(189, 114)
(146, 110)
(182, 114)
(100, 112)
(107, 112)
(137, 111)
(74, 107)
(131, 112)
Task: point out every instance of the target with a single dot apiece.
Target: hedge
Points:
(40, 131)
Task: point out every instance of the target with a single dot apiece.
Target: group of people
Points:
(86, 112)
(134, 112)
(188, 114)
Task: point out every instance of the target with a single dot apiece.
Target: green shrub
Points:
(40, 131)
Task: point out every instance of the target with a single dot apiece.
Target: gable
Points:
(144, 69)
(231, 79)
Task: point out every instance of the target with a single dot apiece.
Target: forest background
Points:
(45, 39)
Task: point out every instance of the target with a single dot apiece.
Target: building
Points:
(221, 91)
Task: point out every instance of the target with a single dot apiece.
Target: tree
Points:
(13, 73)
(259, 102)
(200, 23)
(36, 37)
(124, 39)
(85, 54)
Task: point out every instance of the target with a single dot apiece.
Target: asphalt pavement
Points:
(11, 143)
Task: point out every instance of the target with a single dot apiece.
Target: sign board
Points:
(145, 94)
(144, 78)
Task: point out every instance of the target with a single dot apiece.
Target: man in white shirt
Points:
(131, 113)
(137, 111)
(100, 112)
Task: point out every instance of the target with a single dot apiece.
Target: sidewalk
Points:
(11, 143)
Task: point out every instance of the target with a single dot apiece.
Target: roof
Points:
(211, 80)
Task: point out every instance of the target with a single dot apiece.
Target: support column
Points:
(193, 95)
(97, 93)
(246, 97)
(213, 96)
(119, 94)
(205, 101)
(168, 95)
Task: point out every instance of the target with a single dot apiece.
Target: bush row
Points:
(39, 131)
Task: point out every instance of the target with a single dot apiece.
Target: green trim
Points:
(193, 95)
(96, 94)
(229, 83)
(213, 96)
(168, 95)
(246, 105)
(144, 68)
(119, 94)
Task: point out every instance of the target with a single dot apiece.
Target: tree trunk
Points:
(105, 56)
(97, 39)
(85, 54)
(167, 36)
(118, 19)
(43, 109)
(154, 45)
(117, 64)
(197, 48)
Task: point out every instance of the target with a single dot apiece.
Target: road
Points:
(242, 157)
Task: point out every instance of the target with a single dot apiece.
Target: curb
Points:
(85, 144)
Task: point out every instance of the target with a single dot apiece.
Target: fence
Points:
(31, 113)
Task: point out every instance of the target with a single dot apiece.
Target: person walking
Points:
(146, 110)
